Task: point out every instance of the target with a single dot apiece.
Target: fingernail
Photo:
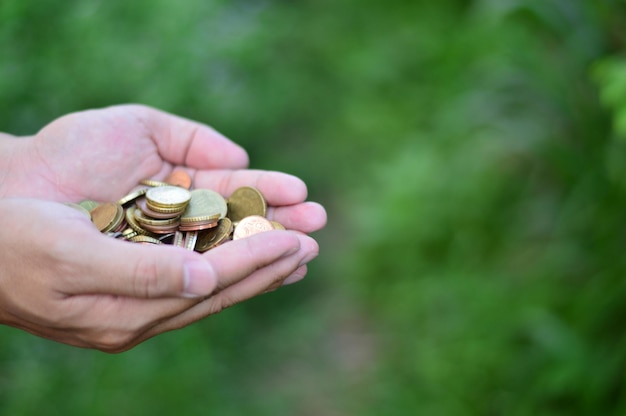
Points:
(199, 279)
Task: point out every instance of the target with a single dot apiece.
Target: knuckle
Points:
(146, 279)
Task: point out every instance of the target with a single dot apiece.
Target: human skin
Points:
(64, 280)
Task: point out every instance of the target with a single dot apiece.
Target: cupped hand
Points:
(65, 281)
(101, 154)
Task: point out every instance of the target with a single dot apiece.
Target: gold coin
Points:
(118, 223)
(157, 213)
(190, 240)
(251, 225)
(133, 195)
(152, 183)
(107, 216)
(277, 225)
(168, 197)
(179, 239)
(129, 233)
(88, 204)
(80, 208)
(147, 221)
(160, 212)
(209, 239)
(162, 229)
(132, 222)
(205, 205)
(144, 239)
(246, 201)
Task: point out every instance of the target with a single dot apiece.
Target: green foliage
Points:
(471, 156)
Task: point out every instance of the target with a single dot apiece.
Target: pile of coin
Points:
(170, 212)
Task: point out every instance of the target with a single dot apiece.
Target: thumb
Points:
(122, 268)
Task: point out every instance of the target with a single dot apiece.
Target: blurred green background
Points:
(472, 159)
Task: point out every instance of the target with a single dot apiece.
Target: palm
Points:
(102, 154)
(95, 155)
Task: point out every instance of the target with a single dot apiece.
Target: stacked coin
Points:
(108, 217)
(204, 211)
(169, 212)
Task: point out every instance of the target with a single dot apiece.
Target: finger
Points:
(143, 319)
(278, 188)
(235, 254)
(185, 142)
(110, 266)
(4, 136)
(296, 276)
(112, 323)
(259, 282)
(306, 217)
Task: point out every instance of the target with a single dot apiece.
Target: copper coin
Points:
(179, 178)
(251, 225)
(122, 225)
(144, 220)
(106, 216)
(197, 226)
(161, 229)
(143, 206)
(132, 222)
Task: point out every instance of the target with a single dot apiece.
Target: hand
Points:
(63, 280)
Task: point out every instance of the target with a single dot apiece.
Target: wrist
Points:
(12, 159)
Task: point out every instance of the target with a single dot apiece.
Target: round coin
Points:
(133, 223)
(153, 183)
(132, 195)
(162, 229)
(251, 225)
(168, 197)
(179, 178)
(88, 204)
(158, 213)
(144, 239)
(129, 233)
(277, 225)
(205, 205)
(246, 201)
(147, 221)
(198, 226)
(107, 216)
(209, 239)
(179, 239)
(190, 240)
